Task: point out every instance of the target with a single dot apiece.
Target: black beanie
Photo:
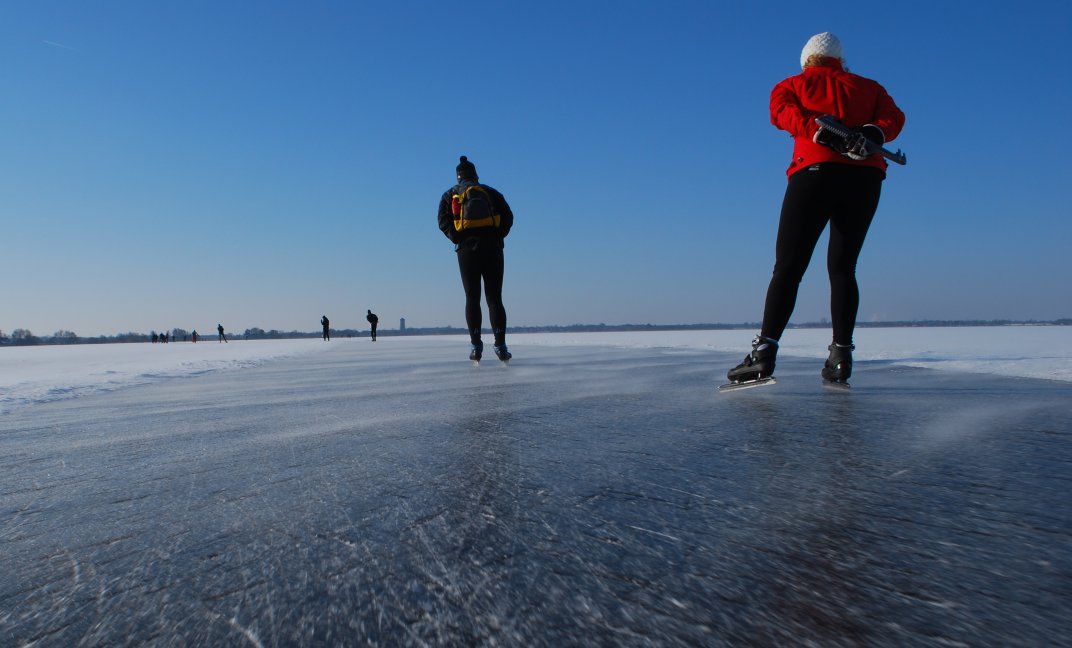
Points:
(466, 169)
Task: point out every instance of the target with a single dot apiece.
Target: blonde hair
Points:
(816, 60)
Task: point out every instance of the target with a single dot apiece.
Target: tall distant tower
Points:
(402, 324)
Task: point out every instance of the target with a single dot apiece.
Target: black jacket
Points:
(446, 216)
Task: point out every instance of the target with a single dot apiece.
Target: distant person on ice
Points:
(373, 321)
(326, 324)
(193, 337)
(476, 219)
(219, 329)
(831, 179)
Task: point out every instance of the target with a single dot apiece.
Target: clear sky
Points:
(179, 164)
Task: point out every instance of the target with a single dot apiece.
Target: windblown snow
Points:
(40, 374)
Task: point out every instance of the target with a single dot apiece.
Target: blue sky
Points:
(261, 164)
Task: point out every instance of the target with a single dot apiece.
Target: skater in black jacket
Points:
(373, 321)
(326, 324)
(476, 218)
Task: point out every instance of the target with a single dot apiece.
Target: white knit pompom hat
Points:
(824, 44)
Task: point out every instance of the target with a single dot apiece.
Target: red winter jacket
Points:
(831, 90)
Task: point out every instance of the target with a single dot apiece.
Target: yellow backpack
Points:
(473, 208)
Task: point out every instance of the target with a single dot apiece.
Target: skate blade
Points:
(747, 384)
(836, 385)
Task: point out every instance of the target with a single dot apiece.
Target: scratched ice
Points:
(596, 491)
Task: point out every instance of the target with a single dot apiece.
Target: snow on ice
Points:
(40, 374)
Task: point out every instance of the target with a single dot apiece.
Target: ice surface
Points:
(38, 374)
(41, 374)
(393, 494)
(1023, 351)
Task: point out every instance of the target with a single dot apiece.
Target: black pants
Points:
(846, 197)
(483, 260)
(374, 331)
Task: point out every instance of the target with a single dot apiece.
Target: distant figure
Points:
(373, 321)
(164, 337)
(193, 337)
(832, 179)
(476, 218)
(219, 329)
(154, 337)
(326, 324)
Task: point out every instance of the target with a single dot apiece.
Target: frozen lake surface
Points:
(42, 374)
(391, 493)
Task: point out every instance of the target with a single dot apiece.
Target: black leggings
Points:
(846, 197)
(483, 259)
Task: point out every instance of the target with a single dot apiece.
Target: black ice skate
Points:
(757, 368)
(838, 366)
(502, 353)
(476, 351)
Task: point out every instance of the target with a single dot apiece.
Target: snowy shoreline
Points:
(30, 375)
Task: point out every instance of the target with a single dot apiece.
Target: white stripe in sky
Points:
(60, 45)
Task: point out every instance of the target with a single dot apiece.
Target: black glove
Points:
(829, 139)
(858, 147)
(859, 144)
(873, 133)
(865, 142)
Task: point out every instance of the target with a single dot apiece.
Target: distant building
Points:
(402, 324)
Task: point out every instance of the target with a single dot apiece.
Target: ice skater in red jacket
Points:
(832, 180)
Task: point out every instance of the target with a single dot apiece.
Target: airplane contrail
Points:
(60, 45)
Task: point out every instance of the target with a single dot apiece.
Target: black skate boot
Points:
(838, 366)
(476, 351)
(501, 353)
(758, 366)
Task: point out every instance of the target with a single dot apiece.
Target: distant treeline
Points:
(595, 328)
(23, 337)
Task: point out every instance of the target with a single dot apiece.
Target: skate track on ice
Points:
(392, 493)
